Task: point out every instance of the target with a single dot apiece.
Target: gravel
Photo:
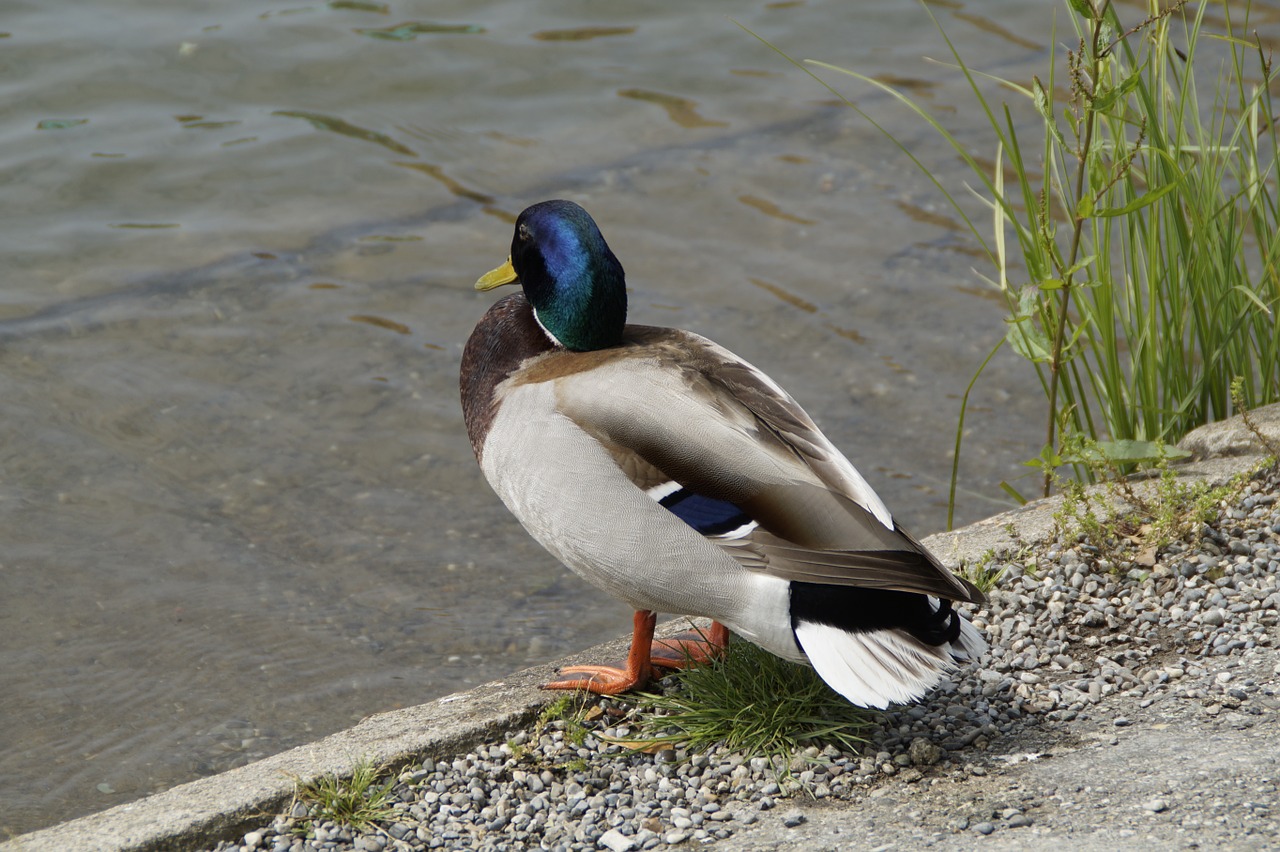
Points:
(1083, 652)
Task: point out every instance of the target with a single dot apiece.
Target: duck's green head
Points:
(570, 277)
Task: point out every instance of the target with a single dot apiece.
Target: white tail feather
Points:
(883, 667)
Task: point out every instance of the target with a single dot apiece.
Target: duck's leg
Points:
(610, 680)
(693, 647)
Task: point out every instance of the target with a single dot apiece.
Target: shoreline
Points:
(227, 806)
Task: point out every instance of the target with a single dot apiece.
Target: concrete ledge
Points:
(222, 807)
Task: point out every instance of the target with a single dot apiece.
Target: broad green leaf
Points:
(1076, 267)
(1029, 341)
(1106, 33)
(1099, 172)
(1027, 338)
(1083, 8)
(1075, 336)
(1126, 451)
(1105, 101)
(1138, 203)
(1044, 105)
(1040, 98)
(1047, 460)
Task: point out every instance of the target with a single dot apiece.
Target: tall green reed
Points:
(1135, 243)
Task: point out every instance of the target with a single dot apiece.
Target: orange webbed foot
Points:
(602, 680)
(693, 647)
(612, 680)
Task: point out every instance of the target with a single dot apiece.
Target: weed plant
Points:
(1127, 520)
(984, 572)
(357, 802)
(1135, 242)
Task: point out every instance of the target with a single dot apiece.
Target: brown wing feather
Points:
(672, 405)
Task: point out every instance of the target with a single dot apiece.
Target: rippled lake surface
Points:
(238, 507)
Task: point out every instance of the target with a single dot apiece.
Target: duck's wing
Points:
(723, 447)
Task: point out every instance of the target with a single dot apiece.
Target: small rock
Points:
(1019, 821)
(1155, 806)
(617, 841)
(984, 828)
(1121, 722)
(791, 819)
(923, 752)
(253, 839)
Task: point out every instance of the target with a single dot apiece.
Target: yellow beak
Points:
(504, 274)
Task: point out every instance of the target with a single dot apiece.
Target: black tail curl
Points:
(865, 610)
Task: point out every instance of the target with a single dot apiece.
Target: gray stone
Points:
(616, 841)
(924, 752)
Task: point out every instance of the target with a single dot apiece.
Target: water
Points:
(238, 507)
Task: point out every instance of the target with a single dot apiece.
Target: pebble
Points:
(617, 841)
(1063, 641)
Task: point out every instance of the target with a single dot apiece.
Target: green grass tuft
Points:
(984, 572)
(568, 710)
(357, 802)
(753, 702)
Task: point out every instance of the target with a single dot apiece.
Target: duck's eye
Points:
(523, 232)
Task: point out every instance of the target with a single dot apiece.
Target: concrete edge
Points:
(222, 807)
(1034, 522)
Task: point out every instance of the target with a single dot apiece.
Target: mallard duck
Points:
(680, 479)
